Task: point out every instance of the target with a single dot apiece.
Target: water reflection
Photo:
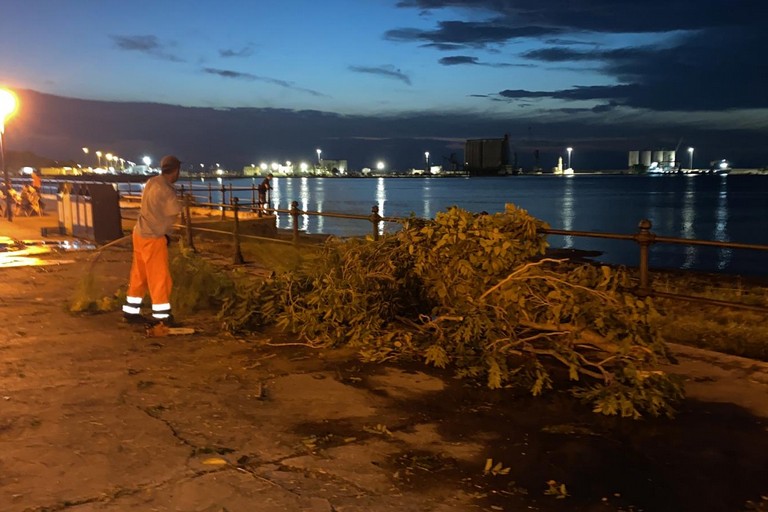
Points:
(721, 225)
(425, 197)
(567, 213)
(304, 202)
(689, 217)
(276, 196)
(381, 199)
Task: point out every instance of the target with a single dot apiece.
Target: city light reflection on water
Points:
(721, 225)
(568, 213)
(381, 199)
(689, 217)
(703, 207)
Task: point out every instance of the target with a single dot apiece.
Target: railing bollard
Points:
(238, 255)
(210, 194)
(644, 238)
(188, 223)
(253, 195)
(376, 221)
(295, 220)
(223, 201)
(183, 211)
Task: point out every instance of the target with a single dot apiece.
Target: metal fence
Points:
(644, 238)
(231, 205)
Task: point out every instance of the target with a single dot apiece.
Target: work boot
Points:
(169, 321)
(136, 319)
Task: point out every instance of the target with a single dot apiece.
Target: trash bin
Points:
(90, 211)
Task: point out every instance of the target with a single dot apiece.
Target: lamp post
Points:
(319, 152)
(98, 156)
(426, 160)
(86, 151)
(690, 154)
(569, 156)
(8, 104)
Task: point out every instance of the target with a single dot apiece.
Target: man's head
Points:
(269, 176)
(170, 166)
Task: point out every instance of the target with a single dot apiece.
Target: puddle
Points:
(28, 253)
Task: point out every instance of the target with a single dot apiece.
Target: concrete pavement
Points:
(95, 416)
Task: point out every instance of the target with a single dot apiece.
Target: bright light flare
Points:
(8, 106)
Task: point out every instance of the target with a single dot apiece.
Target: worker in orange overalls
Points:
(150, 271)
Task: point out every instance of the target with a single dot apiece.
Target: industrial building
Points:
(653, 161)
(487, 157)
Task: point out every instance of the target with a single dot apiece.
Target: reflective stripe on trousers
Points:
(132, 305)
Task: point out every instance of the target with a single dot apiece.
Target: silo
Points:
(669, 158)
(658, 156)
(634, 158)
(645, 158)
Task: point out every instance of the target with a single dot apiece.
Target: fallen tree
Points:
(474, 292)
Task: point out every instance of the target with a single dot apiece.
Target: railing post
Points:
(295, 220)
(376, 221)
(223, 201)
(188, 223)
(210, 194)
(253, 195)
(644, 238)
(238, 255)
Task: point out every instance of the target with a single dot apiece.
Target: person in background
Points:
(150, 271)
(264, 186)
(37, 182)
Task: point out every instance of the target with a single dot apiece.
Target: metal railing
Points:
(644, 238)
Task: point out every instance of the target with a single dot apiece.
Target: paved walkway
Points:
(95, 416)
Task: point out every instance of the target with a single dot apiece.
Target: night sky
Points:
(240, 82)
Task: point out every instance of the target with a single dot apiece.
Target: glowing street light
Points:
(569, 156)
(690, 154)
(380, 165)
(98, 155)
(147, 161)
(8, 104)
(86, 151)
(426, 159)
(319, 152)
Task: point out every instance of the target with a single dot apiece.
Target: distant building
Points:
(487, 157)
(653, 161)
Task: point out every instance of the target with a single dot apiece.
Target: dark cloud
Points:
(237, 75)
(238, 136)
(710, 55)
(247, 51)
(458, 59)
(609, 16)
(474, 61)
(148, 45)
(469, 34)
(385, 71)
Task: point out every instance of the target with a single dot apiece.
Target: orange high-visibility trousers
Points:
(150, 271)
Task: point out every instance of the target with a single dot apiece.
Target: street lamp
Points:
(8, 104)
(690, 154)
(147, 161)
(569, 156)
(319, 160)
(426, 159)
(98, 155)
(86, 151)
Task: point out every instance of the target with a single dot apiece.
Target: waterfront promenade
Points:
(96, 416)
